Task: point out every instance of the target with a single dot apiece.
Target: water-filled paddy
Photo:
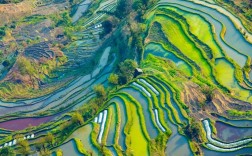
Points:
(230, 133)
(232, 53)
(237, 123)
(232, 36)
(177, 144)
(226, 75)
(70, 148)
(158, 50)
(149, 121)
(112, 150)
(20, 124)
(83, 6)
(84, 134)
(243, 151)
(202, 29)
(175, 105)
(176, 34)
(58, 97)
(112, 126)
(237, 22)
(139, 144)
(130, 120)
(123, 119)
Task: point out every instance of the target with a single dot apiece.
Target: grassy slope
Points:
(179, 38)
(203, 30)
(225, 72)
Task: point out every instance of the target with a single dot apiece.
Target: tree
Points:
(19, 137)
(100, 91)
(208, 91)
(113, 79)
(107, 28)
(7, 151)
(45, 152)
(192, 130)
(49, 138)
(77, 118)
(23, 147)
(40, 144)
(127, 70)
(123, 8)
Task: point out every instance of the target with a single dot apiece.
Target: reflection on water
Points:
(230, 133)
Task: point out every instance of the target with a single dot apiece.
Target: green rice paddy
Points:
(181, 54)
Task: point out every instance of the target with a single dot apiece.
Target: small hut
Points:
(138, 71)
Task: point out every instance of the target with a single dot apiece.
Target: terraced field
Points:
(193, 75)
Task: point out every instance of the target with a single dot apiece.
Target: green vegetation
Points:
(2, 32)
(113, 79)
(126, 71)
(23, 147)
(107, 28)
(33, 19)
(7, 151)
(237, 113)
(192, 130)
(170, 74)
(100, 91)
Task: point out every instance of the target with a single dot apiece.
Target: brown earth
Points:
(10, 12)
(192, 96)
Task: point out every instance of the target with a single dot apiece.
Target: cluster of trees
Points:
(107, 28)
(124, 7)
(192, 130)
(43, 144)
(137, 10)
(64, 20)
(47, 142)
(208, 92)
(101, 94)
(77, 118)
(125, 72)
(7, 151)
(23, 147)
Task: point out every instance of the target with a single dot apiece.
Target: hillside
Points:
(116, 77)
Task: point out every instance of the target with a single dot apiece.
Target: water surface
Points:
(228, 133)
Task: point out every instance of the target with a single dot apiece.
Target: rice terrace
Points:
(125, 77)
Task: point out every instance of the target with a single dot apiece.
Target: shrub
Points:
(100, 91)
(2, 32)
(107, 28)
(208, 91)
(113, 79)
(7, 151)
(126, 70)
